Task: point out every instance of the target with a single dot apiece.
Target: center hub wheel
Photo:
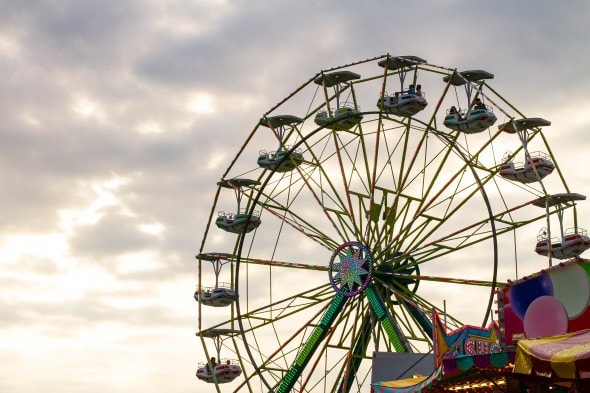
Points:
(350, 269)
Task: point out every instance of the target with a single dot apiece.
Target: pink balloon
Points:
(546, 316)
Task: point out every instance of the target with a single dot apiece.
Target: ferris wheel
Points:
(356, 224)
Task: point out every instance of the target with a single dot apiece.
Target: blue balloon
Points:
(521, 295)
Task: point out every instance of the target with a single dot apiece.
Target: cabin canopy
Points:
(513, 126)
(394, 63)
(558, 199)
(279, 121)
(460, 78)
(335, 78)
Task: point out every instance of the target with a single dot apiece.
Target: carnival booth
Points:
(468, 359)
(546, 318)
(540, 342)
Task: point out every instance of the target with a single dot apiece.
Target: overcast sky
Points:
(118, 117)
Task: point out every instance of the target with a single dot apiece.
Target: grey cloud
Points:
(63, 318)
(114, 234)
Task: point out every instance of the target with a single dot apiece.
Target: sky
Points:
(119, 117)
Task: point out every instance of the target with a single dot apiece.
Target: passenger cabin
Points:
(238, 222)
(478, 117)
(405, 103)
(283, 159)
(536, 167)
(241, 221)
(572, 245)
(538, 164)
(573, 241)
(226, 371)
(344, 116)
(340, 119)
(470, 121)
(280, 161)
(220, 296)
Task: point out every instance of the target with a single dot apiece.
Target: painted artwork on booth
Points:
(548, 303)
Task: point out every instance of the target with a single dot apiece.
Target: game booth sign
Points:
(540, 341)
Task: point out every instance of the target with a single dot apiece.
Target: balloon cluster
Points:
(549, 303)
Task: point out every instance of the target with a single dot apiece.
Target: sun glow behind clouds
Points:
(150, 128)
(216, 159)
(152, 229)
(140, 261)
(201, 104)
(15, 247)
(87, 108)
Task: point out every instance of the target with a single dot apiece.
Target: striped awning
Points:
(566, 356)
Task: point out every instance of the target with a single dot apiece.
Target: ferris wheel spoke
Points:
(470, 235)
(358, 156)
(419, 199)
(286, 307)
(330, 198)
(301, 225)
(417, 226)
(280, 203)
(275, 263)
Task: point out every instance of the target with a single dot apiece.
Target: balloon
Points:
(571, 286)
(545, 317)
(525, 292)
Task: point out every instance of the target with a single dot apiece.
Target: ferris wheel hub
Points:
(351, 268)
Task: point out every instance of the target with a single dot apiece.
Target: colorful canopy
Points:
(566, 356)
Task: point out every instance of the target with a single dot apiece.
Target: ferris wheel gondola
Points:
(240, 221)
(405, 102)
(222, 294)
(478, 116)
(345, 115)
(537, 165)
(572, 241)
(218, 370)
(281, 160)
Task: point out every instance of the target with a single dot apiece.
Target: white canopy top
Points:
(394, 63)
(458, 79)
(335, 78)
(523, 124)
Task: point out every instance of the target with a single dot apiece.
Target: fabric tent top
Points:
(566, 356)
